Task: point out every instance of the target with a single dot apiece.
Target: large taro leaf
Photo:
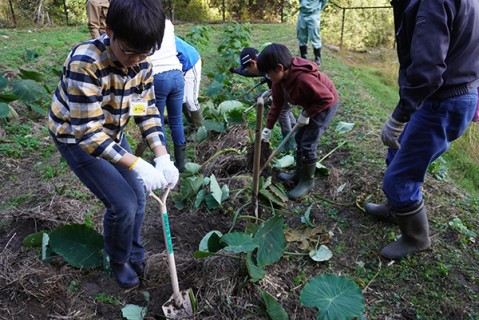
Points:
(4, 110)
(255, 272)
(239, 242)
(211, 241)
(79, 245)
(3, 82)
(271, 241)
(336, 297)
(274, 309)
(28, 90)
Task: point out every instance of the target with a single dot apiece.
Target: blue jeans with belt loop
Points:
(169, 92)
(427, 136)
(121, 192)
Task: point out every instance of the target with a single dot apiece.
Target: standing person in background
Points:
(298, 81)
(105, 82)
(249, 68)
(191, 62)
(96, 11)
(308, 27)
(169, 91)
(438, 52)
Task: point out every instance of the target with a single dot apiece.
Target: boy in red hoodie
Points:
(299, 82)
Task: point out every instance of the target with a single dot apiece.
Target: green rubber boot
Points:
(292, 179)
(306, 181)
(180, 157)
(414, 233)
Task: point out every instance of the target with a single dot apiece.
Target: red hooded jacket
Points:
(306, 87)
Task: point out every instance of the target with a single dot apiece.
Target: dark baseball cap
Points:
(246, 55)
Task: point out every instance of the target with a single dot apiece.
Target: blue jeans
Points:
(307, 137)
(169, 91)
(425, 138)
(121, 192)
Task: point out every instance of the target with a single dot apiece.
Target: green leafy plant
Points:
(336, 297)
(258, 246)
(79, 245)
(28, 89)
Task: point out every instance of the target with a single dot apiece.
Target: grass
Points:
(366, 82)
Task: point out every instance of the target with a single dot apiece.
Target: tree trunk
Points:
(13, 13)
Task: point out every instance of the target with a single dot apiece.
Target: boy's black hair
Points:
(273, 55)
(139, 23)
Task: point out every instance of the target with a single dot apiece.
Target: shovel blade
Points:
(178, 307)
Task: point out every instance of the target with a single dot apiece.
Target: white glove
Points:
(303, 120)
(152, 178)
(167, 167)
(391, 131)
(266, 134)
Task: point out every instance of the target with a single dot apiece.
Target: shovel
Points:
(179, 305)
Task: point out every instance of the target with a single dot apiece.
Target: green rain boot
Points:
(414, 233)
(306, 181)
(196, 123)
(180, 157)
(381, 211)
(292, 179)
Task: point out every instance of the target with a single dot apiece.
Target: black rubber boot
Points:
(125, 275)
(414, 233)
(292, 179)
(381, 211)
(306, 181)
(303, 51)
(180, 157)
(317, 56)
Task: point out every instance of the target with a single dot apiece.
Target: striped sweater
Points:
(91, 103)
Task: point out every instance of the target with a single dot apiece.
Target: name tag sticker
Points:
(138, 108)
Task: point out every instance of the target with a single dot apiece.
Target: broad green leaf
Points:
(28, 90)
(192, 167)
(31, 74)
(8, 97)
(214, 89)
(79, 245)
(255, 272)
(3, 82)
(322, 254)
(343, 127)
(34, 239)
(134, 312)
(211, 202)
(215, 126)
(202, 134)
(271, 241)
(199, 198)
(229, 105)
(215, 189)
(45, 241)
(284, 162)
(4, 110)
(214, 243)
(274, 309)
(238, 242)
(204, 242)
(225, 193)
(305, 218)
(336, 297)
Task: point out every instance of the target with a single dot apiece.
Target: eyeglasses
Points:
(135, 53)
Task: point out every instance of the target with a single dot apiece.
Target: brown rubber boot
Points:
(414, 233)
(381, 211)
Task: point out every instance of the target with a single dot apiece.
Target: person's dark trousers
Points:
(428, 134)
(121, 192)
